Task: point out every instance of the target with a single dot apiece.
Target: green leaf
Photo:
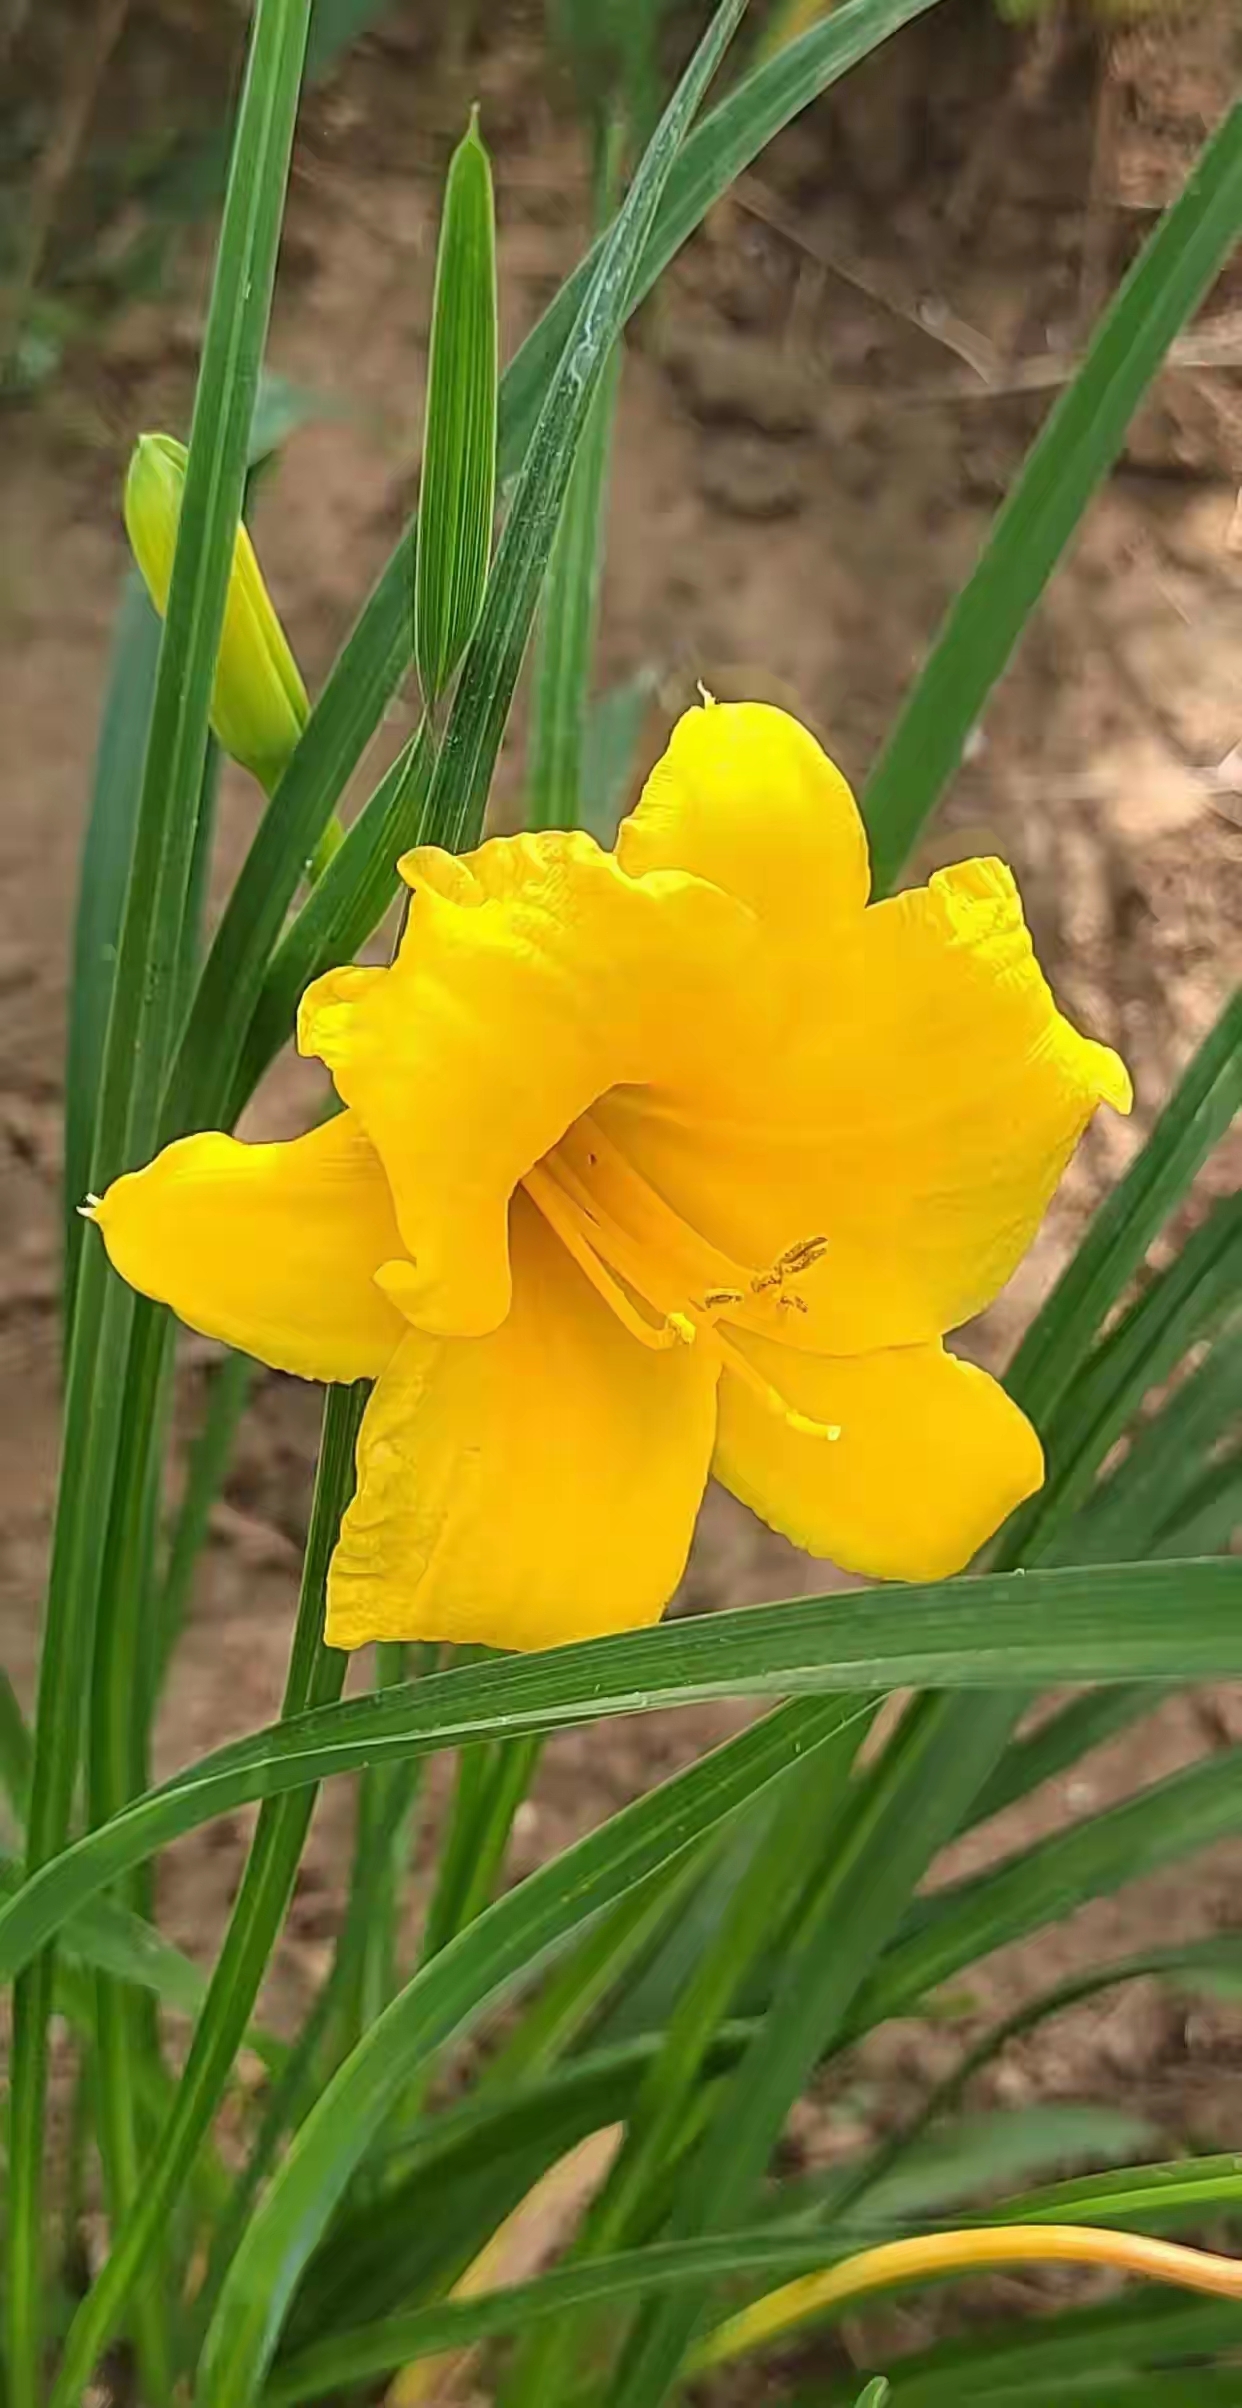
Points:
(960, 1925)
(503, 1946)
(463, 769)
(316, 1674)
(949, 2167)
(1205, 1518)
(458, 491)
(1195, 1964)
(378, 653)
(228, 1395)
(1198, 1113)
(1187, 1302)
(565, 648)
(357, 2357)
(875, 2395)
(1162, 1622)
(15, 1750)
(719, 149)
(144, 995)
(1037, 2363)
(102, 881)
(802, 1821)
(107, 1937)
(904, 1809)
(1059, 1741)
(346, 903)
(601, 1963)
(1074, 451)
(1164, 1464)
(1156, 2194)
(614, 725)
(491, 1784)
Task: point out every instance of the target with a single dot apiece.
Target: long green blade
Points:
(144, 996)
(1072, 455)
(462, 774)
(315, 1675)
(1195, 1118)
(457, 495)
(379, 651)
(1046, 1882)
(504, 1945)
(1158, 1622)
(102, 881)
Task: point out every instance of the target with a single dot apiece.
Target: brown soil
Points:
(806, 464)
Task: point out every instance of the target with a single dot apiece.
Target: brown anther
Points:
(717, 1298)
(792, 1304)
(800, 1257)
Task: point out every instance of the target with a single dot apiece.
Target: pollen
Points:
(790, 1265)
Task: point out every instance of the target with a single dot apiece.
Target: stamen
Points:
(559, 1214)
(641, 1211)
(800, 1257)
(638, 1253)
(745, 1371)
(791, 1264)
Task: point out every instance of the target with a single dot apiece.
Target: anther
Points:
(716, 1299)
(790, 1264)
(800, 1257)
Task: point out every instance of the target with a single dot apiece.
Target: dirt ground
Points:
(820, 411)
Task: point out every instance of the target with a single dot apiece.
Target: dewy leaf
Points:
(1070, 458)
(1157, 1622)
(457, 495)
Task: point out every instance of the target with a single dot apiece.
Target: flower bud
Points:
(258, 705)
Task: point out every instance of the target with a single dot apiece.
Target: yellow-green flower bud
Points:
(258, 705)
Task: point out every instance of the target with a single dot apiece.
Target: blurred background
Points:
(821, 407)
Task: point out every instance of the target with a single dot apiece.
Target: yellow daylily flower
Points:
(672, 1160)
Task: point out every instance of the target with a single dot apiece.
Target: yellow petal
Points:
(527, 1488)
(272, 1248)
(533, 974)
(917, 1111)
(745, 797)
(931, 1457)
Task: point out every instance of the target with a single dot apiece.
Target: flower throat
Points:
(665, 1283)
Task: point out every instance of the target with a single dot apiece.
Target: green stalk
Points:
(565, 643)
(1077, 445)
(908, 1805)
(135, 1055)
(491, 1783)
(363, 1975)
(117, 1735)
(229, 1392)
(801, 1820)
(315, 1677)
(15, 1750)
